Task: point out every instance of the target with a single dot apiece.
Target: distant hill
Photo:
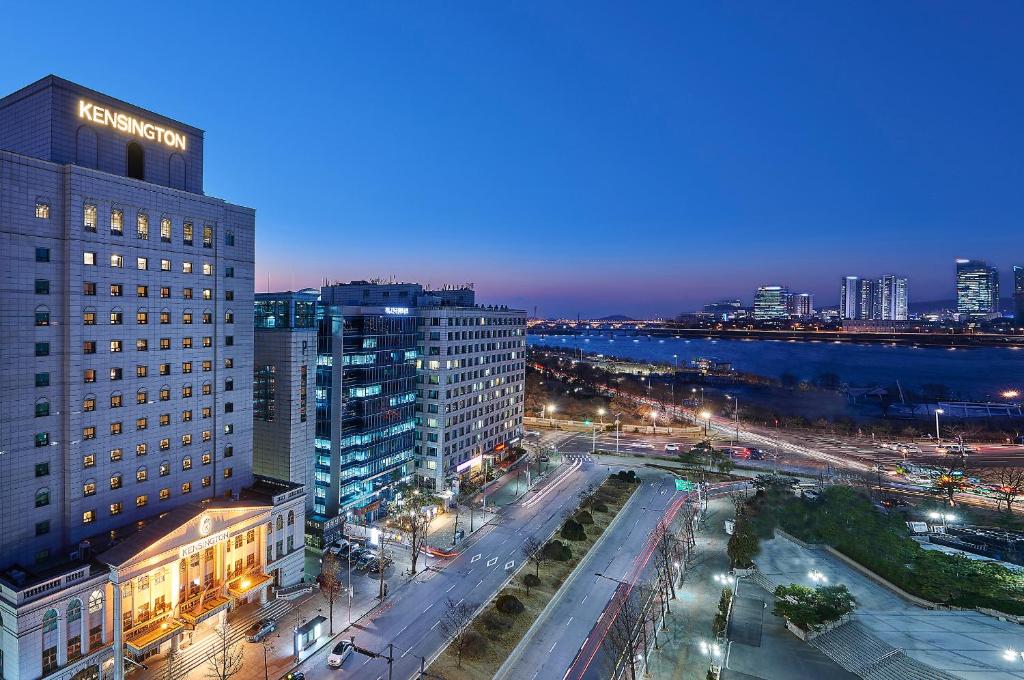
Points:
(935, 305)
(616, 317)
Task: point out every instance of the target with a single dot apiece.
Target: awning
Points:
(154, 636)
(211, 606)
(310, 626)
(249, 584)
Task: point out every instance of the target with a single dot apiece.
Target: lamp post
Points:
(736, 416)
(944, 516)
(618, 430)
(938, 436)
(551, 411)
(706, 415)
(654, 422)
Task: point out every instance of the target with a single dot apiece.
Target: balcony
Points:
(248, 584)
(202, 606)
(151, 634)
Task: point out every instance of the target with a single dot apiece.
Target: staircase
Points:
(761, 579)
(858, 651)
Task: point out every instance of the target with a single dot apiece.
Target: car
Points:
(260, 630)
(543, 458)
(365, 560)
(671, 447)
(532, 433)
(909, 448)
(643, 445)
(341, 651)
(895, 503)
(295, 675)
(356, 553)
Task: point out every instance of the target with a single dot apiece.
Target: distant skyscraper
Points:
(867, 306)
(771, 302)
(1018, 294)
(848, 298)
(800, 305)
(891, 294)
(977, 288)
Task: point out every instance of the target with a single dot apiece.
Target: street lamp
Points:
(817, 576)
(1010, 394)
(618, 430)
(938, 436)
(736, 415)
(944, 516)
(706, 415)
(551, 409)
(712, 650)
(1013, 655)
(654, 422)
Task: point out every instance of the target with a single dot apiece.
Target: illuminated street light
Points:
(1011, 394)
(654, 422)
(938, 436)
(1013, 655)
(817, 576)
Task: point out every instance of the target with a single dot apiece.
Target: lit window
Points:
(165, 229)
(142, 226)
(115, 508)
(42, 211)
(207, 235)
(89, 258)
(207, 269)
(117, 261)
(116, 221)
(186, 267)
(186, 233)
(142, 263)
(89, 217)
(165, 265)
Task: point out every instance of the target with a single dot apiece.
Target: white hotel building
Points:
(131, 514)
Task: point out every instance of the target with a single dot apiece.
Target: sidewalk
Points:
(679, 655)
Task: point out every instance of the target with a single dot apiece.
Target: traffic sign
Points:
(684, 485)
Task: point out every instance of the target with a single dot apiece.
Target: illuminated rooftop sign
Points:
(122, 122)
(396, 310)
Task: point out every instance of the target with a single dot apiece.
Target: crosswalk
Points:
(194, 656)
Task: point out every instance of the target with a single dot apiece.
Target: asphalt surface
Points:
(553, 644)
(409, 621)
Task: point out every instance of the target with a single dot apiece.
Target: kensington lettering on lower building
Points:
(125, 123)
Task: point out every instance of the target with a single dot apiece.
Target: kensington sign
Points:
(122, 122)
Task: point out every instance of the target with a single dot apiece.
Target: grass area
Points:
(495, 633)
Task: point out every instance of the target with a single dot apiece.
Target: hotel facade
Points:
(132, 515)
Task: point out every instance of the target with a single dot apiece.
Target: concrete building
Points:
(284, 381)
(800, 305)
(771, 302)
(471, 387)
(126, 377)
(977, 288)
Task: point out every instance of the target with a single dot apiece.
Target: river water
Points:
(975, 373)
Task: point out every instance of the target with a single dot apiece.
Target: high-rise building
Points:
(867, 299)
(891, 298)
(800, 305)
(413, 386)
(131, 512)
(771, 302)
(471, 387)
(848, 297)
(284, 381)
(1018, 295)
(977, 288)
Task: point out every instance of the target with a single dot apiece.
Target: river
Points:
(975, 373)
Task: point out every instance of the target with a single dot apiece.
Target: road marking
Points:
(568, 622)
(450, 588)
(552, 647)
(475, 558)
(460, 602)
(477, 584)
(491, 562)
(435, 624)
(511, 553)
(406, 652)
(429, 606)
(584, 598)
(510, 564)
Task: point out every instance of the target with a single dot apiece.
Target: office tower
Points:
(977, 288)
(770, 302)
(800, 305)
(130, 507)
(1018, 295)
(284, 380)
(891, 295)
(867, 299)
(848, 295)
(413, 386)
(471, 387)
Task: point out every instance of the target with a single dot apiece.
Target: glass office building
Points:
(977, 288)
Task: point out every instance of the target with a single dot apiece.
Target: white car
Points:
(671, 447)
(910, 448)
(341, 651)
(643, 445)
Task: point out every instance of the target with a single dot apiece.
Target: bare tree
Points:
(454, 625)
(172, 670)
(622, 639)
(385, 539)
(663, 548)
(224, 659)
(533, 551)
(1010, 481)
(331, 584)
(416, 526)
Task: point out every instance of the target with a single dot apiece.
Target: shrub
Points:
(573, 531)
(475, 645)
(628, 476)
(508, 603)
(807, 608)
(531, 580)
(584, 517)
(600, 507)
(495, 622)
(558, 551)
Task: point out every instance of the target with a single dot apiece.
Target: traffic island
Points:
(478, 648)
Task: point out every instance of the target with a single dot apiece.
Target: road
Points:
(410, 620)
(553, 644)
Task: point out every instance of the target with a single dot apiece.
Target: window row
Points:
(91, 259)
(116, 455)
(117, 290)
(116, 316)
(90, 222)
(89, 516)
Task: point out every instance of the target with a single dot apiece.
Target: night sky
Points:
(587, 158)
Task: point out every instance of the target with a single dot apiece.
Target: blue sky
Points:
(590, 158)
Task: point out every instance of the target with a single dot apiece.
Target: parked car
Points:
(341, 651)
(544, 458)
(643, 445)
(671, 447)
(260, 630)
(909, 448)
(295, 675)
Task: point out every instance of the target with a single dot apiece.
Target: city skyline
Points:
(573, 136)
